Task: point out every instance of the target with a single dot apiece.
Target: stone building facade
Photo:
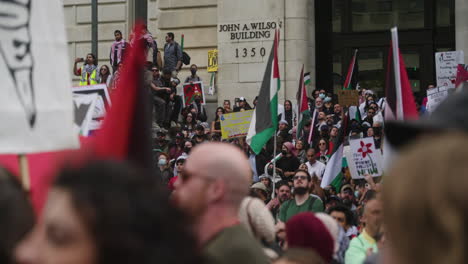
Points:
(242, 31)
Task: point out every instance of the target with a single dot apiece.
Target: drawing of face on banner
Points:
(15, 49)
(36, 109)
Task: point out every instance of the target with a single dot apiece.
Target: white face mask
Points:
(162, 162)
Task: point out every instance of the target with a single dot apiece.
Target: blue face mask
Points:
(356, 194)
(162, 162)
(322, 95)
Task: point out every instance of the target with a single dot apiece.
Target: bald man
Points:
(214, 181)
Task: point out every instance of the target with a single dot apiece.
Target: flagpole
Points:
(312, 126)
(274, 165)
(24, 172)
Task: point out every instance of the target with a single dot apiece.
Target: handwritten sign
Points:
(363, 158)
(213, 60)
(435, 96)
(348, 97)
(235, 124)
(446, 67)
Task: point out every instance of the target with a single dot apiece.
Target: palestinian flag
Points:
(302, 104)
(400, 100)
(400, 103)
(265, 116)
(462, 77)
(333, 175)
(354, 113)
(306, 78)
(352, 76)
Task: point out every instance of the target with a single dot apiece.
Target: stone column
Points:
(461, 27)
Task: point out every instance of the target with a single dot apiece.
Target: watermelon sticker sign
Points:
(364, 158)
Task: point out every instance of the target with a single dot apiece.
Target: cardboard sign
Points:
(189, 90)
(235, 124)
(103, 102)
(435, 96)
(213, 60)
(446, 67)
(36, 109)
(348, 97)
(363, 158)
(84, 105)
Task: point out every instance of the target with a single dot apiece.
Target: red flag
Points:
(351, 78)
(126, 132)
(462, 76)
(400, 100)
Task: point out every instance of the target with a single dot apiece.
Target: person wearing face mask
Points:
(165, 168)
(194, 77)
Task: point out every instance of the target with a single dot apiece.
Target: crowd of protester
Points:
(216, 201)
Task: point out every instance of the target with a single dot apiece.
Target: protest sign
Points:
(36, 110)
(103, 102)
(435, 96)
(348, 97)
(235, 124)
(213, 60)
(446, 67)
(189, 90)
(84, 105)
(363, 158)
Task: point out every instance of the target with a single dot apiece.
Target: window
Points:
(376, 15)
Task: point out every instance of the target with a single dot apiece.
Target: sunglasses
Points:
(302, 177)
(103, 69)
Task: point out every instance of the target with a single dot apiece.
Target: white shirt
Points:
(318, 168)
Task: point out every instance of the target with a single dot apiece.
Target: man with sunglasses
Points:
(212, 197)
(303, 200)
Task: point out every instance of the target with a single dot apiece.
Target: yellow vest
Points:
(92, 78)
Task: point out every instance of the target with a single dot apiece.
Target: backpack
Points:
(185, 58)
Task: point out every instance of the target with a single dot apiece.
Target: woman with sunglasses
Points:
(105, 75)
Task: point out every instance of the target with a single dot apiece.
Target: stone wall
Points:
(241, 68)
(112, 15)
(461, 27)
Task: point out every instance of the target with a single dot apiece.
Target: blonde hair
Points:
(425, 204)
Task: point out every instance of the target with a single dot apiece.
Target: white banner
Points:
(363, 158)
(85, 105)
(103, 102)
(446, 67)
(435, 96)
(36, 109)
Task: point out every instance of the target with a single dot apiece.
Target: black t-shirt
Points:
(288, 163)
